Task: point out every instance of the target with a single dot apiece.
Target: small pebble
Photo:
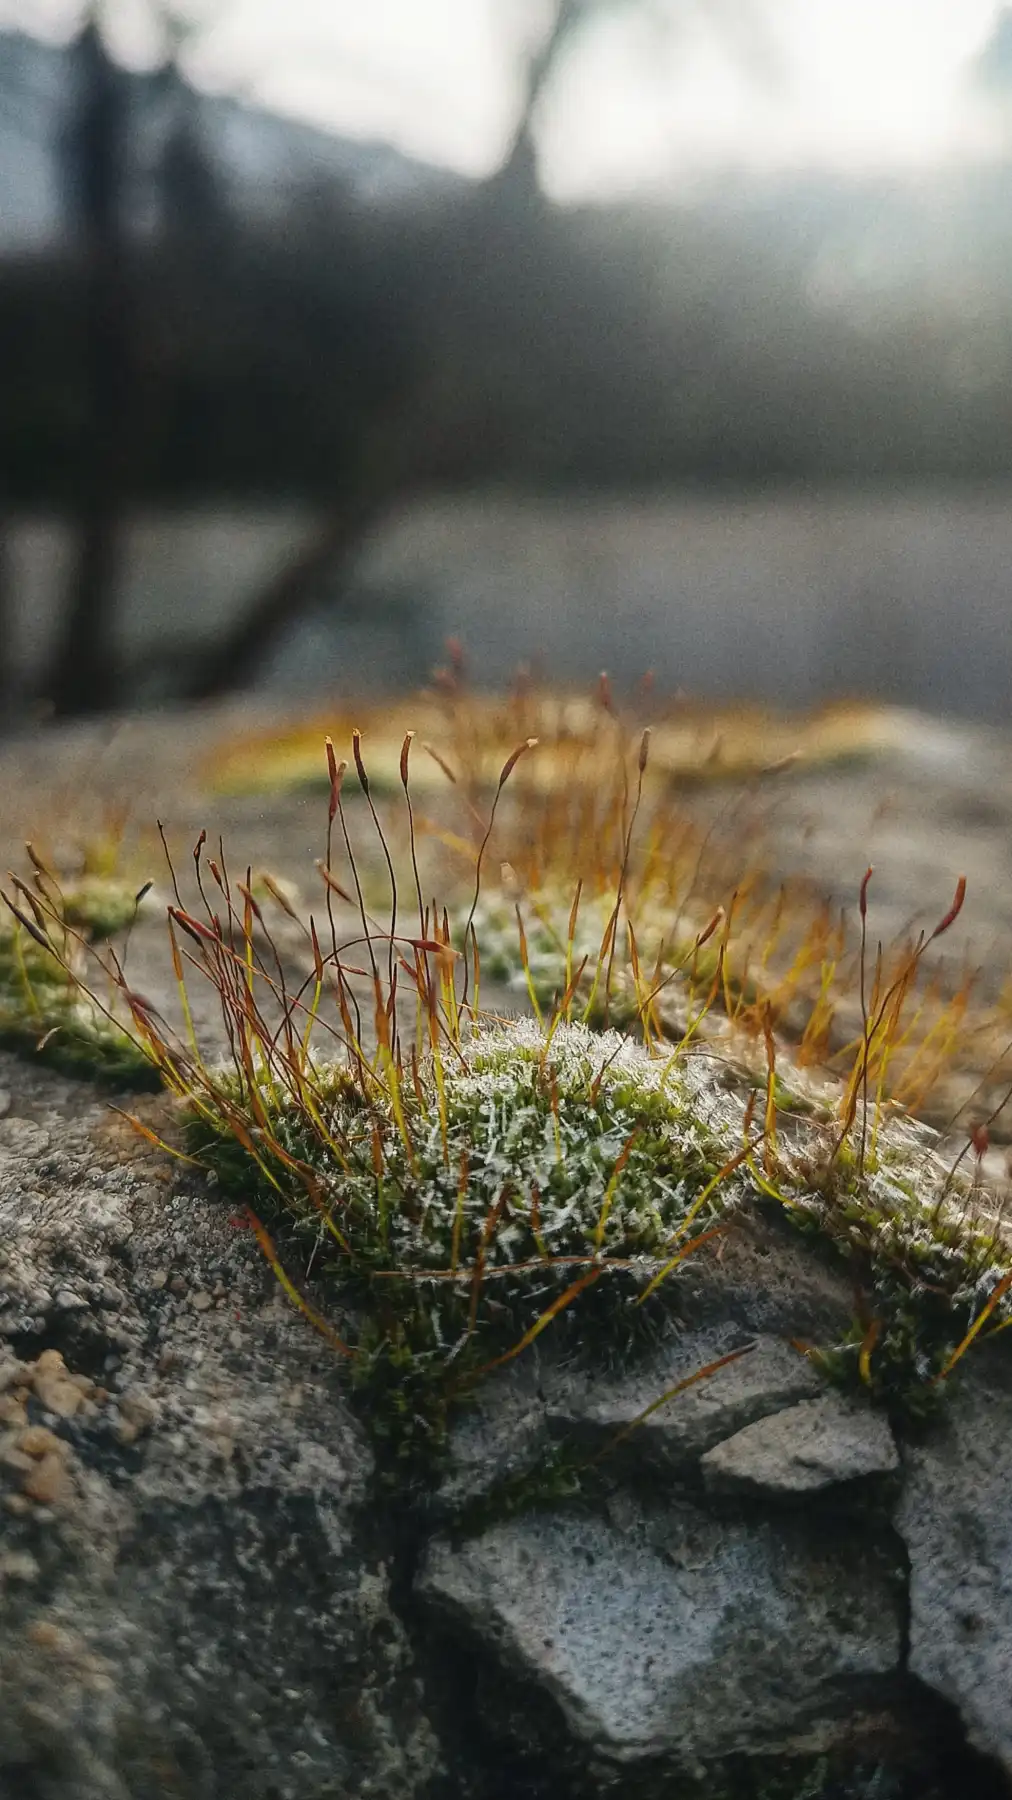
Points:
(18, 1565)
(48, 1481)
(68, 1301)
(38, 1440)
(48, 1635)
(18, 1461)
(57, 1394)
(159, 1279)
(178, 1286)
(201, 1300)
(139, 1410)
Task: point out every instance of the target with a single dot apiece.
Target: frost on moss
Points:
(539, 1165)
(559, 1175)
(930, 1255)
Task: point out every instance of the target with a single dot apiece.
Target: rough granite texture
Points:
(187, 1606)
(955, 1518)
(821, 1443)
(650, 1635)
(200, 1595)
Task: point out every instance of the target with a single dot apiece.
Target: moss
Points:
(102, 906)
(459, 1186)
(539, 1169)
(557, 1479)
(925, 1262)
(46, 1006)
(612, 998)
(531, 1145)
(554, 1177)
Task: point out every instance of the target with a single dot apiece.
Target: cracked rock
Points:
(955, 1519)
(679, 1636)
(816, 1444)
(769, 1377)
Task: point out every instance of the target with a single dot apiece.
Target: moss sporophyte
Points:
(437, 1187)
(56, 998)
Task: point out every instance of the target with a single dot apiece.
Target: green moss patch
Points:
(561, 1180)
(49, 1003)
(530, 1184)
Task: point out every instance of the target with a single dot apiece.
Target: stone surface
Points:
(817, 1444)
(767, 1378)
(188, 1610)
(678, 1635)
(499, 1438)
(955, 1517)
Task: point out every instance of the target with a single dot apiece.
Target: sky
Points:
(647, 97)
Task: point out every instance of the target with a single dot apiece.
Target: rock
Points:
(38, 1440)
(12, 1373)
(816, 1444)
(48, 1481)
(214, 1606)
(137, 1411)
(18, 1566)
(955, 1519)
(501, 1436)
(681, 1636)
(67, 1301)
(16, 1460)
(769, 1377)
(23, 1138)
(55, 1390)
(203, 1625)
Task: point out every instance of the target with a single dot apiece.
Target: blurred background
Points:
(670, 334)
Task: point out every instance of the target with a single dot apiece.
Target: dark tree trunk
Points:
(83, 674)
(6, 626)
